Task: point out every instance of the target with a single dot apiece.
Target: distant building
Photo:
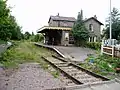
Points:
(94, 27)
(58, 31)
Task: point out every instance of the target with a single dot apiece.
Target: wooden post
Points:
(112, 51)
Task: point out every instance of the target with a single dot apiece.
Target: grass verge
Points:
(23, 52)
(26, 52)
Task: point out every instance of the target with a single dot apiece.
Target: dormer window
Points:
(91, 27)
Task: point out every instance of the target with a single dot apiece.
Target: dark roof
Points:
(94, 19)
(61, 18)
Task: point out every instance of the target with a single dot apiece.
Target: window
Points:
(66, 35)
(90, 39)
(91, 27)
(95, 39)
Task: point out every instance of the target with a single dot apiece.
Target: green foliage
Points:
(103, 64)
(79, 31)
(23, 52)
(2, 42)
(37, 38)
(27, 35)
(32, 33)
(94, 45)
(55, 74)
(9, 28)
(115, 25)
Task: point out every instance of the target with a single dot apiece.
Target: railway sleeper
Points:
(79, 74)
(82, 75)
(89, 80)
(61, 64)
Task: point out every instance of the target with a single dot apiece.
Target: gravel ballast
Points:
(29, 76)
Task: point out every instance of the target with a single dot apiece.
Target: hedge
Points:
(94, 45)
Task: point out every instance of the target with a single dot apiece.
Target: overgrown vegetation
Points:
(24, 52)
(94, 45)
(79, 31)
(103, 64)
(27, 52)
(36, 38)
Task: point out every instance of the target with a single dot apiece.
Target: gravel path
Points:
(29, 76)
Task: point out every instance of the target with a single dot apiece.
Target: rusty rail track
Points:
(75, 75)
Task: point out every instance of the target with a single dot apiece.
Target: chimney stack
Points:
(95, 16)
(58, 14)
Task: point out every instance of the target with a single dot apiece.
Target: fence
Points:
(110, 49)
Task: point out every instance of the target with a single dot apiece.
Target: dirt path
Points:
(29, 76)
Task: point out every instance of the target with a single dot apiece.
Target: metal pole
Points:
(110, 22)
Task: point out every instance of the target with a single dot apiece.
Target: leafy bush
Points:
(37, 38)
(102, 64)
(94, 45)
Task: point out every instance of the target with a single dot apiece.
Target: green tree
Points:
(15, 30)
(9, 29)
(27, 35)
(37, 38)
(32, 33)
(115, 15)
(79, 31)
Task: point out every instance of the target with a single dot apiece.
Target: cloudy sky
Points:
(33, 14)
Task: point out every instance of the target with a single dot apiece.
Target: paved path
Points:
(75, 53)
(29, 76)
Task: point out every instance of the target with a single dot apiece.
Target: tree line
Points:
(9, 28)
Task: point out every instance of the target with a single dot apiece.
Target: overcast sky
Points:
(33, 14)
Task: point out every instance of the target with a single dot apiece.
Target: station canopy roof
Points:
(45, 28)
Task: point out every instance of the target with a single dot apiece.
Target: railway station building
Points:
(58, 31)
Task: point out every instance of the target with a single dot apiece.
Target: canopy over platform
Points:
(46, 28)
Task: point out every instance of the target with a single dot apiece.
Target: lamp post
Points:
(110, 22)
